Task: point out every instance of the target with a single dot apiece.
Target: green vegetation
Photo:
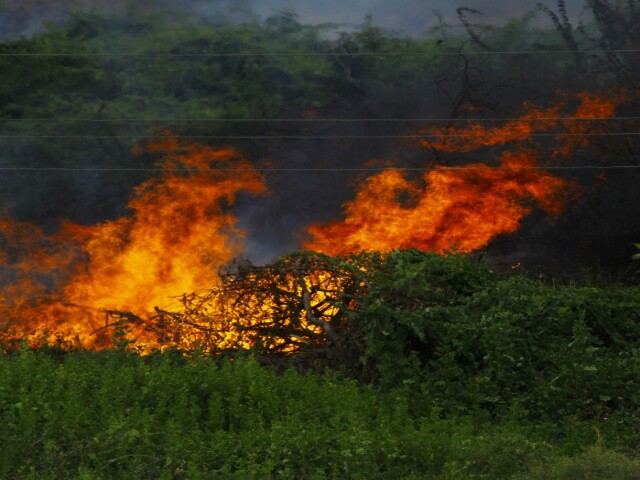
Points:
(115, 415)
(477, 339)
(463, 373)
(442, 369)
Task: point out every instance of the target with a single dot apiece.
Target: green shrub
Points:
(470, 339)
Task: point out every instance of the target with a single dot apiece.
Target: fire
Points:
(461, 209)
(288, 305)
(176, 239)
(464, 208)
(570, 127)
(179, 234)
(152, 276)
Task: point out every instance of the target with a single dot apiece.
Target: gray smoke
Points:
(23, 18)
(275, 222)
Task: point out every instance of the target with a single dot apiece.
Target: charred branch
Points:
(302, 301)
(562, 24)
(473, 35)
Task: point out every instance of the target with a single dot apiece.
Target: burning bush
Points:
(179, 233)
(152, 276)
(299, 304)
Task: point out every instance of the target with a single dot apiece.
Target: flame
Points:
(570, 129)
(447, 209)
(178, 236)
(292, 303)
(154, 273)
(180, 232)
(464, 208)
(153, 276)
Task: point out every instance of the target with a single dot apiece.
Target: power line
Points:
(311, 54)
(301, 169)
(322, 137)
(315, 120)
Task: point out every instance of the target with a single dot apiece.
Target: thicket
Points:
(464, 336)
(476, 339)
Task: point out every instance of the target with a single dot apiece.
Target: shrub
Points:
(470, 339)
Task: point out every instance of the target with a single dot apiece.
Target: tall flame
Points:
(180, 231)
(447, 209)
(179, 234)
(464, 208)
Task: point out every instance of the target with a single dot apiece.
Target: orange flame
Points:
(179, 234)
(464, 208)
(570, 129)
(176, 239)
(448, 209)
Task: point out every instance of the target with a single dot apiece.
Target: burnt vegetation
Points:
(300, 304)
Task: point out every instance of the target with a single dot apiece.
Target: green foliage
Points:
(470, 339)
(113, 414)
(410, 284)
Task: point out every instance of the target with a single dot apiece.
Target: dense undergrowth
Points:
(464, 373)
(481, 339)
(115, 415)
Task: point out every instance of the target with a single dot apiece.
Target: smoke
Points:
(344, 88)
(23, 18)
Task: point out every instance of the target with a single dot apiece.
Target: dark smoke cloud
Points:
(298, 199)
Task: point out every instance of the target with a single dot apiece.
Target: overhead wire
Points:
(317, 120)
(307, 169)
(310, 120)
(318, 169)
(309, 54)
(318, 137)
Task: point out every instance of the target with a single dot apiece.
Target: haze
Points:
(401, 17)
